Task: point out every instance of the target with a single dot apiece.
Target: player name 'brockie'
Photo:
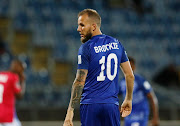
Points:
(106, 47)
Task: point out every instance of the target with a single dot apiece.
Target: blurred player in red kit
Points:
(12, 86)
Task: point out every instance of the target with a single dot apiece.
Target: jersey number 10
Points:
(101, 76)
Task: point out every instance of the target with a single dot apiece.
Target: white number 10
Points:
(101, 76)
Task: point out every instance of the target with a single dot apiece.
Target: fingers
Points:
(121, 110)
(125, 113)
(126, 108)
(68, 123)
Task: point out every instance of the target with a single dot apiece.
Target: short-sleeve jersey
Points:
(101, 56)
(9, 86)
(140, 102)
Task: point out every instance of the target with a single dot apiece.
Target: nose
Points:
(78, 29)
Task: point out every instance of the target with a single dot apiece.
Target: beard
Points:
(87, 36)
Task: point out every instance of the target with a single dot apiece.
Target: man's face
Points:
(84, 28)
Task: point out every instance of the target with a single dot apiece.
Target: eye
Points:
(81, 24)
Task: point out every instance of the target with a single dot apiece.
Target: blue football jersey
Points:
(101, 56)
(140, 105)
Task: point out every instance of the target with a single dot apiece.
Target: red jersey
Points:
(9, 86)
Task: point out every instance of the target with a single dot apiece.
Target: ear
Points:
(94, 27)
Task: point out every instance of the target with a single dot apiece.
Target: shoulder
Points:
(8, 76)
(114, 40)
(86, 44)
(111, 38)
(12, 75)
(4, 76)
(139, 78)
(84, 47)
(7, 73)
(142, 81)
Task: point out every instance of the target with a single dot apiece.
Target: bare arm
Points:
(77, 87)
(129, 77)
(23, 85)
(126, 106)
(154, 106)
(76, 92)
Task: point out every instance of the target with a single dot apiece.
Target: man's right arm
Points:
(126, 107)
(154, 105)
(76, 92)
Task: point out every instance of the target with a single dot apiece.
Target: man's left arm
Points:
(126, 106)
(76, 92)
(154, 106)
(22, 85)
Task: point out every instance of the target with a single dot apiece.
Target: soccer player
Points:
(12, 86)
(99, 60)
(140, 106)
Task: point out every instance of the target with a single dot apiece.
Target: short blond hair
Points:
(92, 14)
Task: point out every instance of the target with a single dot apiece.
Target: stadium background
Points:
(43, 34)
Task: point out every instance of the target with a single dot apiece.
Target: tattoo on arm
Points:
(80, 76)
(77, 88)
(77, 91)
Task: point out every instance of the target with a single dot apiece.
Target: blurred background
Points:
(43, 33)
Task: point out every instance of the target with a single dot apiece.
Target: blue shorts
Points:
(99, 115)
(136, 123)
(136, 119)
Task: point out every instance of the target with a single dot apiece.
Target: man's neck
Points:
(98, 32)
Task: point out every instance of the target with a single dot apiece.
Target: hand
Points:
(22, 77)
(155, 122)
(69, 118)
(126, 108)
(68, 123)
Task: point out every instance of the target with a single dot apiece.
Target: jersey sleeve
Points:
(146, 87)
(16, 84)
(124, 57)
(83, 57)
